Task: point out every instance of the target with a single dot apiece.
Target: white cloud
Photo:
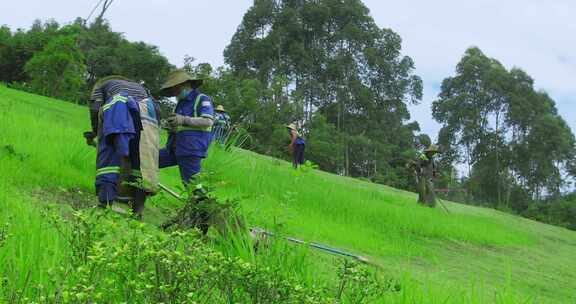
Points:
(536, 36)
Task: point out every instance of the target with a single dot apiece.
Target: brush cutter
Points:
(331, 250)
(171, 192)
(441, 202)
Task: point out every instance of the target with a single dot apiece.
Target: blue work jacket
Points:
(192, 141)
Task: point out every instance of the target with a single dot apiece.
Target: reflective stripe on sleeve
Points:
(115, 99)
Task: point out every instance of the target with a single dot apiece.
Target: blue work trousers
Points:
(188, 165)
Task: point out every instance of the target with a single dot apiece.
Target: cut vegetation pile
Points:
(55, 249)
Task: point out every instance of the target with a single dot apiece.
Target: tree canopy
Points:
(510, 135)
(58, 69)
(66, 61)
(329, 59)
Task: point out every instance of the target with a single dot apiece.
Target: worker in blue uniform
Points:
(116, 122)
(221, 125)
(190, 126)
(297, 146)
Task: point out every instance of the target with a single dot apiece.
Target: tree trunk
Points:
(498, 159)
(347, 169)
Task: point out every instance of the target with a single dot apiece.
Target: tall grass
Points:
(346, 211)
(31, 249)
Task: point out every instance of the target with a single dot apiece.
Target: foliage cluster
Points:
(113, 262)
(65, 61)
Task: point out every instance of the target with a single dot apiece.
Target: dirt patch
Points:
(78, 199)
(74, 197)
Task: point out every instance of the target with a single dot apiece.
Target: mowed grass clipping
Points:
(470, 255)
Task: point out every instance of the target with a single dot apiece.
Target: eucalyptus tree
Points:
(338, 63)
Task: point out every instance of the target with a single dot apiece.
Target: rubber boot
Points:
(138, 203)
(106, 195)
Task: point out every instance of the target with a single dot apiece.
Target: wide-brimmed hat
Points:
(220, 108)
(176, 78)
(432, 149)
(291, 127)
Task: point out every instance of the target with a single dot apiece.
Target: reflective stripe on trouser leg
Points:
(107, 170)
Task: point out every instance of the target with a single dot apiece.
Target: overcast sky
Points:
(537, 36)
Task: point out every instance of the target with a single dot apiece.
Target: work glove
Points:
(176, 120)
(164, 125)
(89, 136)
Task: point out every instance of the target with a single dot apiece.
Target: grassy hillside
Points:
(470, 255)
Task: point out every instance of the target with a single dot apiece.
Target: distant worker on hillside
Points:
(297, 146)
(424, 168)
(221, 125)
(189, 127)
(124, 122)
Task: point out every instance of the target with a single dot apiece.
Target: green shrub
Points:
(114, 261)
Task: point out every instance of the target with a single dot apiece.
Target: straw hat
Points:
(176, 78)
(432, 149)
(220, 108)
(291, 127)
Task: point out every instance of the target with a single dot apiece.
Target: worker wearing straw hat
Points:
(190, 126)
(296, 146)
(425, 171)
(221, 125)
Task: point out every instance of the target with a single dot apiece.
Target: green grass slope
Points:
(470, 255)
